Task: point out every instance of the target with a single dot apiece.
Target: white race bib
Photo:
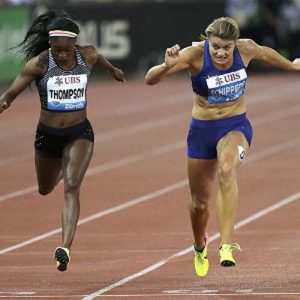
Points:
(67, 92)
(226, 87)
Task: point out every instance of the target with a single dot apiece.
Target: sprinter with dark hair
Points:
(64, 137)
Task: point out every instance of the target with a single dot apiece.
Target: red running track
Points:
(134, 239)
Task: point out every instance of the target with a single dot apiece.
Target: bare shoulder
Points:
(38, 65)
(192, 56)
(246, 46)
(86, 49)
(88, 52)
(249, 50)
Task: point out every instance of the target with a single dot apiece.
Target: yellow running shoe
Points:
(201, 261)
(225, 252)
(62, 256)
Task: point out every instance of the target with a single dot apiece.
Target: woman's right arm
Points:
(175, 61)
(27, 75)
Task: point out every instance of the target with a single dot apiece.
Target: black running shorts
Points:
(51, 141)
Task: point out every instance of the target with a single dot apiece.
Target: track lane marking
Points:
(272, 116)
(255, 97)
(185, 251)
(148, 197)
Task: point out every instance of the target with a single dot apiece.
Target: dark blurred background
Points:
(133, 34)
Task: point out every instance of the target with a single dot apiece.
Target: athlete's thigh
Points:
(232, 148)
(76, 158)
(201, 174)
(47, 170)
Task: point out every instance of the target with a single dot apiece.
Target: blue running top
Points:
(220, 86)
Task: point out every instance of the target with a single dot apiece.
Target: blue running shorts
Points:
(204, 135)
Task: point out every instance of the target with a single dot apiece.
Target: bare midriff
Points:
(202, 110)
(62, 119)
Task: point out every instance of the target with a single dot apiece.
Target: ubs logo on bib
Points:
(72, 79)
(59, 81)
(219, 81)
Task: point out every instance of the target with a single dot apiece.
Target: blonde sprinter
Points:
(220, 133)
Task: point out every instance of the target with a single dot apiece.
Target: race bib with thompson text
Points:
(66, 93)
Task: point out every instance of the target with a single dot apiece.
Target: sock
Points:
(199, 250)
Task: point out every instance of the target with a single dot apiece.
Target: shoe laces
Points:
(233, 246)
(199, 256)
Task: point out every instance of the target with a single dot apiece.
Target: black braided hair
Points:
(37, 36)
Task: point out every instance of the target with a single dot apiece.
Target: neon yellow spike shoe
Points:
(201, 261)
(62, 256)
(225, 252)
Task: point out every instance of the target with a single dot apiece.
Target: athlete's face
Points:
(221, 51)
(63, 49)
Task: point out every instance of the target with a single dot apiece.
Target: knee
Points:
(199, 202)
(72, 184)
(226, 173)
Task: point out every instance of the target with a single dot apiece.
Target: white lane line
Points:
(13, 294)
(146, 105)
(18, 193)
(107, 166)
(101, 214)
(44, 296)
(148, 197)
(115, 133)
(263, 95)
(277, 115)
(272, 150)
(268, 118)
(139, 296)
(119, 132)
(253, 98)
(135, 158)
(185, 251)
(240, 295)
(201, 295)
(165, 100)
(139, 200)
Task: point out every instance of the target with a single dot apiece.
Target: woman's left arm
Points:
(98, 60)
(269, 56)
(115, 72)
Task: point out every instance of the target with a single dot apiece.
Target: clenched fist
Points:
(172, 56)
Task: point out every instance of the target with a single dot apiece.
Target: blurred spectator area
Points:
(273, 23)
(36, 2)
(134, 34)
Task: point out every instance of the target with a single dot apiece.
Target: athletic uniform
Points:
(219, 86)
(62, 91)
